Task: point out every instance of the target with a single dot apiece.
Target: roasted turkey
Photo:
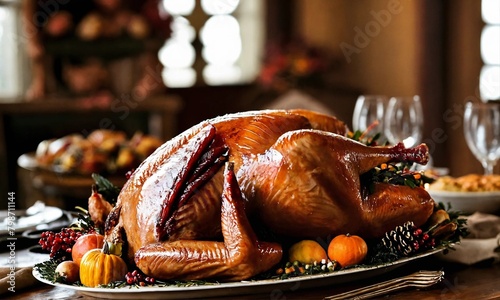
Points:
(187, 212)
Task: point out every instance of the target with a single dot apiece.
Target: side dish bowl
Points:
(469, 202)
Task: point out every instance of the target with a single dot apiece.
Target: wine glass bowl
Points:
(404, 121)
(368, 115)
(482, 132)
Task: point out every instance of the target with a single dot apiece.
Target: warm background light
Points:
(179, 7)
(490, 11)
(489, 78)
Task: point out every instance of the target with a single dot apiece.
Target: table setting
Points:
(443, 243)
(477, 196)
(19, 239)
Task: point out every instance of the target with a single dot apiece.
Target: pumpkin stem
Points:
(112, 248)
(115, 248)
(105, 248)
(348, 234)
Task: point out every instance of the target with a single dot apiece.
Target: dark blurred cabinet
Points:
(23, 125)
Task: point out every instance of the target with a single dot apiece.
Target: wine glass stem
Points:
(488, 167)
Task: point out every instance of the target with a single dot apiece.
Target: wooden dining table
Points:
(479, 281)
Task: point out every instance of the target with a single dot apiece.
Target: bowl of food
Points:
(468, 194)
(102, 151)
(63, 167)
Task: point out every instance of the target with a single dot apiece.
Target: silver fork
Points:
(420, 279)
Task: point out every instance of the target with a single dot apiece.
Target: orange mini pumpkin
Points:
(99, 267)
(347, 250)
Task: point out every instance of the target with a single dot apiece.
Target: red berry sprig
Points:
(422, 240)
(137, 278)
(59, 244)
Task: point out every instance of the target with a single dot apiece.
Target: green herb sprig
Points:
(106, 188)
(361, 137)
(47, 270)
(394, 173)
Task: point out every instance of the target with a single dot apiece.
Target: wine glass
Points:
(369, 114)
(482, 132)
(404, 121)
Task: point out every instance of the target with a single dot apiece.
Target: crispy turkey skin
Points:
(294, 171)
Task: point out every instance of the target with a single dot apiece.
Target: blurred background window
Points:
(10, 55)
(213, 42)
(490, 51)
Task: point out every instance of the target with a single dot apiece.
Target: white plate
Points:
(241, 287)
(469, 202)
(24, 222)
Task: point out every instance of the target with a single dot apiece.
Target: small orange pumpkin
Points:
(100, 267)
(347, 250)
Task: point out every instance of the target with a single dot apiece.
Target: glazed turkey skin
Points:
(298, 173)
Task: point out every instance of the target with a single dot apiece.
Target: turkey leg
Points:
(239, 257)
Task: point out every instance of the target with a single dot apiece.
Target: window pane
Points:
(9, 59)
(219, 7)
(179, 7)
(490, 45)
(489, 83)
(221, 74)
(177, 54)
(221, 39)
(231, 35)
(179, 78)
(491, 11)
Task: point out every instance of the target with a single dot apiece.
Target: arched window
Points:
(10, 58)
(214, 42)
(490, 51)
(229, 39)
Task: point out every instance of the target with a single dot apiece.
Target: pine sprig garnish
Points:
(379, 254)
(394, 173)
(47, 270)
(106, 188)
(445, 235)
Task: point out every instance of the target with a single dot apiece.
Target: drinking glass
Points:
(369, 111)
(482, 132)
(404, 121)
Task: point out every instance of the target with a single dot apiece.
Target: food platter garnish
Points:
(380, 252)
(177, 228)
(106, 188)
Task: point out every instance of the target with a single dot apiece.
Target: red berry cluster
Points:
(136, 277)
(422, 240)
(59, 244)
